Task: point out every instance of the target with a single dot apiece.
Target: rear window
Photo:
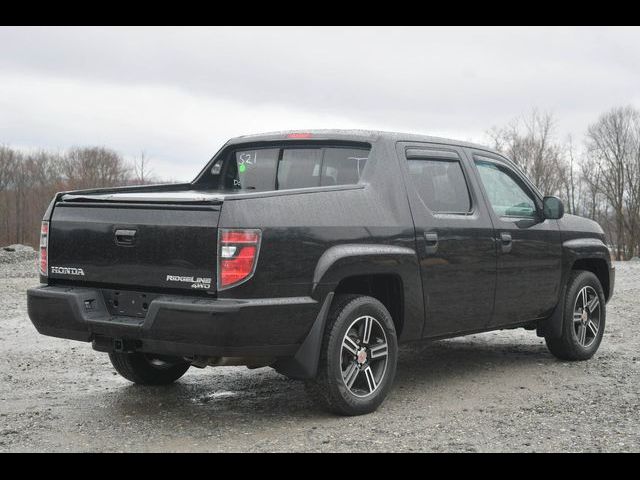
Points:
(293, 167)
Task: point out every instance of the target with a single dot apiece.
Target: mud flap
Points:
(304, 364)
(552, 326)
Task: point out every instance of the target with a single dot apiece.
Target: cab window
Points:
(507, 195)
(440, 184)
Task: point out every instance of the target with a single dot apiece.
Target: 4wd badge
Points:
(196, 282)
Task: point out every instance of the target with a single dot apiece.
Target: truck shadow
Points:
(427, 371)
(444, 363)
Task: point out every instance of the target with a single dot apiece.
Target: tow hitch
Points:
(120, 345)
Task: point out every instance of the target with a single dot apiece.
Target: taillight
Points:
(237, 255)
(44, 246)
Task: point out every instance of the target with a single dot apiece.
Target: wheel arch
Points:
(388, 273)
(598, 267)
(590, 254)
(384, 287)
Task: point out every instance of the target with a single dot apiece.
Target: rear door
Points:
(454, 238)
(529, 247)
(126, 244)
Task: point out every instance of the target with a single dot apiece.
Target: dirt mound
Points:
(17, 254)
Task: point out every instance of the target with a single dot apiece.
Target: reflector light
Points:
(43, 261)
(237, 256)
(299, 135)
(228, 251)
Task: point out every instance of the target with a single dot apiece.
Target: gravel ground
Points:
(499, 391)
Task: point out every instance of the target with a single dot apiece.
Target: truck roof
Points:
(355, 135)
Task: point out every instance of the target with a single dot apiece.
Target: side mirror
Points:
(552, 208)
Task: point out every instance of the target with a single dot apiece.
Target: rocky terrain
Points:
(499, 391)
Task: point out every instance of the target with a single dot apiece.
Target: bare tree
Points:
(531, 143)
(590, 174)
(87, 167)
(8, 163)
(142, 173)
(7, 166)
(28, 180)
(632, 194)
(611, 142)
(573, 190)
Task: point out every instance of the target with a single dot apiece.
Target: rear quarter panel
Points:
(298, 228)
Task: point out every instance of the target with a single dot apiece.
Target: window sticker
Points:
(247, 160)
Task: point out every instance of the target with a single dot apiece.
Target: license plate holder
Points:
(126, 303)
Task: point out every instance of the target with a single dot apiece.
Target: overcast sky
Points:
(179, 93)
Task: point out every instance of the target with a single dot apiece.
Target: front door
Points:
(529, 247)
(454, 238)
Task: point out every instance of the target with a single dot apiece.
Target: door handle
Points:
(505, 242)
(125, 238)
(431, 239)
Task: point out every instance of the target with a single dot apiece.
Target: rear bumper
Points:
(177, 325)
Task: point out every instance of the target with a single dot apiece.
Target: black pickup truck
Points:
(317, 253)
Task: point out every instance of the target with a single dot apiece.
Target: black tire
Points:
(329, 388)
(571, 345)
(147, 369)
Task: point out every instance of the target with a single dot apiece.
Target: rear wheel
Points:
(584, 318)
(148, 369)
(358, 358)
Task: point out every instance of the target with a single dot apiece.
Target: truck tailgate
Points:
(144, 245)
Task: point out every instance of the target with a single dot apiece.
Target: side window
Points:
(299, 168)
(250, 170)
(283, 168)
(440, 184)
(507, 197)
(343, 166)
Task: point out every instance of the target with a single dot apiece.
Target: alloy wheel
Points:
(586, 316)
(364, 356)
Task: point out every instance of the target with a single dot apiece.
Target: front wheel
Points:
(584, 318)
(358, 358)
(148, 369)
